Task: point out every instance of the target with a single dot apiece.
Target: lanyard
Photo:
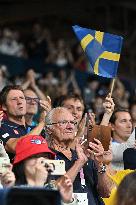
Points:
(82, 177)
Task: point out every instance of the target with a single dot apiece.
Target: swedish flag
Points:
(102, 49)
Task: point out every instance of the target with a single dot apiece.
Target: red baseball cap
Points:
(31, 145)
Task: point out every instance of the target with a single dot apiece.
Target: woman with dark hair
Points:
(126, 192)
(28, 170)
(31, 169)
(29, 161)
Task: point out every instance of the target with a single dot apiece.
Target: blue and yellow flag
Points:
(102, 49)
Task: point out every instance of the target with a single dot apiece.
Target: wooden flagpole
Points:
(112, 86)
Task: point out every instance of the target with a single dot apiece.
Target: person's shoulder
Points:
(5, 122)
(9, 124)
(120, 174)
(8, 129)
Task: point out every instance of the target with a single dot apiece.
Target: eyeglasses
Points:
(64, 123)
(30, 100)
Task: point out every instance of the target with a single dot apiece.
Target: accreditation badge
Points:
(81, 198)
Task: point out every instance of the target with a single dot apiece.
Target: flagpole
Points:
(112, 86)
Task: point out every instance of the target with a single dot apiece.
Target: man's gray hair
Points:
(49, 116)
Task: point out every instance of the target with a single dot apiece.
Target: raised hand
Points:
(46, 107)
(108, 104)
(96, 151)
(8, 177)
(82, 157)
(109, 108)
(46, 104)
(81, 127)
(41, 172)
(65, 187)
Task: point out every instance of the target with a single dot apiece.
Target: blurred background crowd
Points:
(57, 66)
(40, 52)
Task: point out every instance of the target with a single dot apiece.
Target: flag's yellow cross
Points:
(105, 55)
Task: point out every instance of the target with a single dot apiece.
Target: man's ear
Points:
(112, 126)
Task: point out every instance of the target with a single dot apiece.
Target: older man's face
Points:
(64, 127)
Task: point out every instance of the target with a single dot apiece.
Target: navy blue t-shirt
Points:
(10, 130)
(90, 174)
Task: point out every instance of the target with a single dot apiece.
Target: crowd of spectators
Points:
(62, 58)
(48, 115)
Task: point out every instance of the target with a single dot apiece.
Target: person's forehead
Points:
(73, 102)
(30, 93)
(123, 115)
(14, 93)
(62, 115)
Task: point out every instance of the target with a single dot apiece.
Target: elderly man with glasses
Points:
(88, 176)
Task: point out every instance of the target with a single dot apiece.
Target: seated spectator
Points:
(129, 157)
(121, 124)
(28, 164)
(9, 45)
(122, 135)
(115, 176)
(64, 56)
(126, 190)
(61, 127)
(32, 102)
(14, 104)
(30, 170)
(75, 104)
(36, 44)
(35, 106)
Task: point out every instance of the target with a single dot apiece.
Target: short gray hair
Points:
(49, 116)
